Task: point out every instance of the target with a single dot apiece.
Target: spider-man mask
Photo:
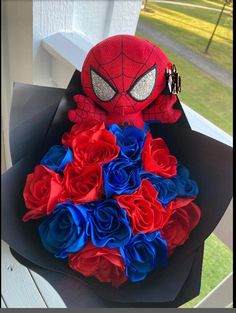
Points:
(123, 75)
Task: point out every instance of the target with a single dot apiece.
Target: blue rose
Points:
(166, 188)
(109, 225)
(144, 253)
(65, 230)
(130, 139)
(57, 157)
(182, 171)
(120, 176)
(185, 186)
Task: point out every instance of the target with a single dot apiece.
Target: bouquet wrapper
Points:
(37, 121)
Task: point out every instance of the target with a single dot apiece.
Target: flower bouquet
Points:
(117, 193)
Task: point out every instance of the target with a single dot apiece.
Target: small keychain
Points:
(173, 79)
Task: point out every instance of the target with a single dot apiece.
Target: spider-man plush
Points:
(124, 78)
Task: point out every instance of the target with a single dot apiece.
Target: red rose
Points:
(146, 213)
(99, 147)
(82, 185)
(157, 158)
(41, 192)
(180, 224)
(179, 203)
(89, 126)
(106, 264)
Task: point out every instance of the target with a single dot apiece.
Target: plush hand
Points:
(162, 110)
(86, 109)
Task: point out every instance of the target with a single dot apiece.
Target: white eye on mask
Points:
(144, 85)
(102, 89)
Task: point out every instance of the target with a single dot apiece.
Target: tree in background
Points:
(144, 5)
(226, 2)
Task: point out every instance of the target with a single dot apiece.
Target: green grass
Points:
(208, 3)
(201, 92)
(217, 264)
(213, 101)
(216, 3)
(193, 28)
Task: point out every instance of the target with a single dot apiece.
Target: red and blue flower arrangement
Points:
(113, 201)
(109, 197)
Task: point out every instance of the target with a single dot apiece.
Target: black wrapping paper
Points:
(70, 287)
(38, 120)
(32, 112)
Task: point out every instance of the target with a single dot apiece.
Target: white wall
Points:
(25, 23)
(118, 17)
(17, 59)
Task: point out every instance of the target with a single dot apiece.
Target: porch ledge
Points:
(72, 48)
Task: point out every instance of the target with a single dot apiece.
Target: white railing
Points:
(221, 296)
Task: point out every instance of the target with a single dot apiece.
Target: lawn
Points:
(214, 101)
(201, 92)
(208, 3)
(217, 264)
(193, 27)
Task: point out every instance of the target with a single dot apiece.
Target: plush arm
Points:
(86, 109)
(162, 109)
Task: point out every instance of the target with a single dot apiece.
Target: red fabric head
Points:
(131, 69)
(123, 78)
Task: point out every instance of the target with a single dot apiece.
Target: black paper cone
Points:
(24, 239)
(209, 162)
(69, 287)
(32, 112)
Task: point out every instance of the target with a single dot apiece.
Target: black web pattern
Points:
(160, 108)
(87, 109)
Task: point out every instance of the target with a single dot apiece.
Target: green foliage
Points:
(217, 264)
(201, 92)
(193, 26)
